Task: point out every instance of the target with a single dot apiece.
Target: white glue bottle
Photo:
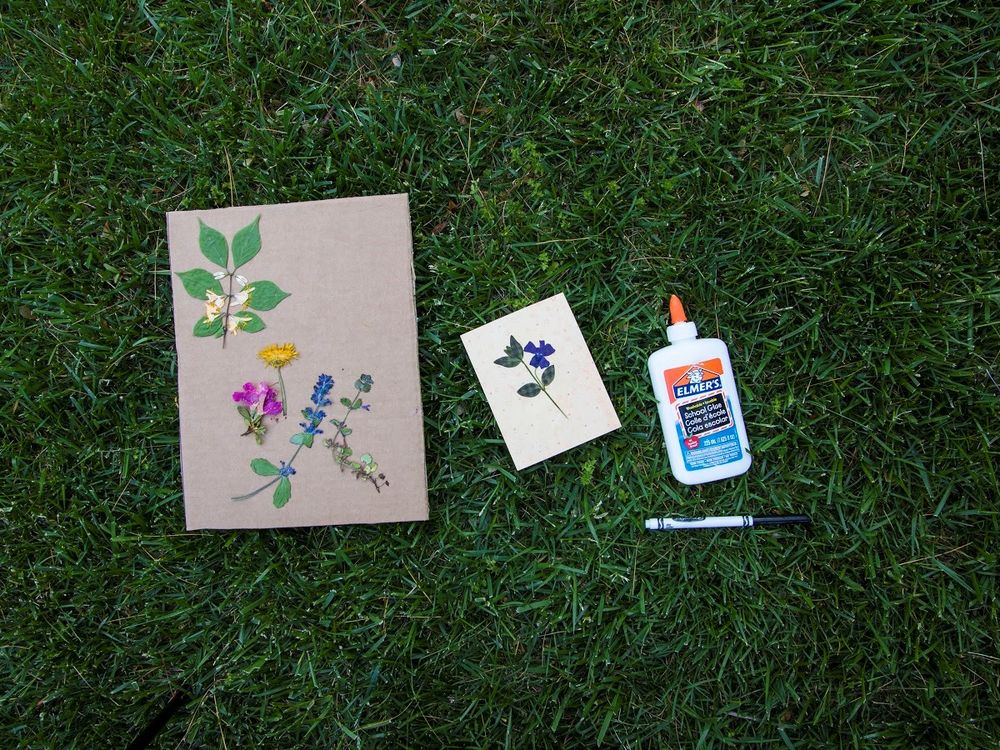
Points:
(698, 403)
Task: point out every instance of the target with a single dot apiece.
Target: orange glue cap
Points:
(677, 310)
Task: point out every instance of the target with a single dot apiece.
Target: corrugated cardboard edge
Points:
(177, 391)
(416, 350)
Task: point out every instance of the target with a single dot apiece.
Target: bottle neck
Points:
(686, 331)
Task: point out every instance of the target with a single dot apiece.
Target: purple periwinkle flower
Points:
(541, 351)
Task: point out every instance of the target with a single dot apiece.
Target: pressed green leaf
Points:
(246, 244)
(515, 349)
(197, 281)
(507, 361)
(365, 458)
(302, 438)
(282, 493)
(548, 374)
(265, 295)
(345, 431)
(529, 389)
(213, 244)
(203, 328)
(244, 412)
(346, 402)
(335, 421)
(253, 325)
(263, 467)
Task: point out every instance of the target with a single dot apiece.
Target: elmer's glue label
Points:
(698, 404)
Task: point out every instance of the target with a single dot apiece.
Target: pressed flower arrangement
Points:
(231, 301)
(542, 372)
(364, 467)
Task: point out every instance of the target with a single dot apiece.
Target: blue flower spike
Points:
(320, 391)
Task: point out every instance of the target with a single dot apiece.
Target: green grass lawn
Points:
(818, 183)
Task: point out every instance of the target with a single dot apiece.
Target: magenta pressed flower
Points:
(248, 396)
(271, 406)
(254, 402)
(261, 396)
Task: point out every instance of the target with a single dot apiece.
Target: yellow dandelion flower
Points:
(278, 355)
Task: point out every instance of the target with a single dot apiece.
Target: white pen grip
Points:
(712, 522)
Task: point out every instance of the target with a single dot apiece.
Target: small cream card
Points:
(297, 374)
(541, 381)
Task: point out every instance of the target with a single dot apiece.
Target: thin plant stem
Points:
(539, 384)
(273, 481)
(225, 317)
(284, 401)
(257, 491)
(343, 422)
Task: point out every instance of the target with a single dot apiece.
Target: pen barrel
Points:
(780, 520)
(710, 522)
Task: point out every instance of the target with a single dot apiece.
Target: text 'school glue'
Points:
(699, 406)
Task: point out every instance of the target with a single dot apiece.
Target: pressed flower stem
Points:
(343, 422)
(284, 401)
(225, 317)
(271, 483)
(539, 384)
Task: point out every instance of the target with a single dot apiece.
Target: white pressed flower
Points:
(242, 297)
(236, 322)
(214, 305)
(219, 275)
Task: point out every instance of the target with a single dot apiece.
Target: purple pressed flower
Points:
(259, 398)
(366, 407)
(541, 351)
(247, 396)
(272, 406)
(285, 471)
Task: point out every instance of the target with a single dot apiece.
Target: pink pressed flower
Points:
(247, 396)
(272, 406)
(259, 398)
